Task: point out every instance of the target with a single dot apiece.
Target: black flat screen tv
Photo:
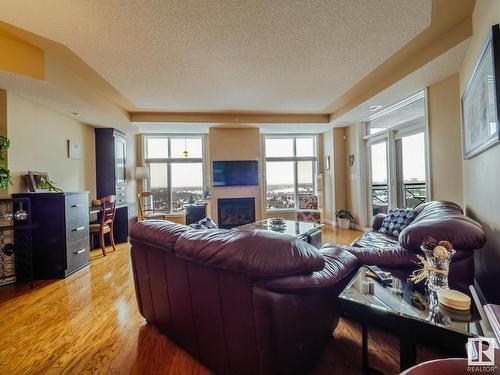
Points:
(235, 173)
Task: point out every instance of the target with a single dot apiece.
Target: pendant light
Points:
(185, 153)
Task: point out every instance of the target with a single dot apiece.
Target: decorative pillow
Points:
(396, 220)
(205, 223)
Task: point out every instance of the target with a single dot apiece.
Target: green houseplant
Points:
(5, 179)
(344, 218)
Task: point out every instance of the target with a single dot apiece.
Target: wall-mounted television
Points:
(235, 173)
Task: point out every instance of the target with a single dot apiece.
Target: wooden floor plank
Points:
(89, 324)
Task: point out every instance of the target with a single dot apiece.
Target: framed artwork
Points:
(36, 181)
(74, 149)
(480, 111)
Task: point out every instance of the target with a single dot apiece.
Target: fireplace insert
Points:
(233, 212)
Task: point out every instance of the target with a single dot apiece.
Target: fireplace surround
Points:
(233, 212)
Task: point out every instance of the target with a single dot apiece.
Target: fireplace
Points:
(233, 212)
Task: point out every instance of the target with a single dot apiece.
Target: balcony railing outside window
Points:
(414, 194)
(380, 198)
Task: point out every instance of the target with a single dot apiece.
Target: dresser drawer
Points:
(77, 254)
(121, 193)
(77, 228)
(76, 205)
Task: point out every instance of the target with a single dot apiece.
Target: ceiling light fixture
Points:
(374, 108)
(185, 153)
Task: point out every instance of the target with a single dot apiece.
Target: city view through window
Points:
(175, 180)
(290, 170)
(413, 180)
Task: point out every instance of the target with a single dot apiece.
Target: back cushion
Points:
(157, 233)
(396, 220)
(257, 254)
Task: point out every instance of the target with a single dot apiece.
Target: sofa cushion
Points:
(338, 265)
(258, 254)
(444, 221)
(396, 220)
(157, 233)
(376, 240)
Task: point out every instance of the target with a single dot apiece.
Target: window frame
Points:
(391, 135)
(170, 160)
(295, 159)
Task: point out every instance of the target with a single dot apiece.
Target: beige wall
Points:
(354, 176)
(481, 174)
(39, 143)
(339, 168)
(334, 180)
(445, 142)
(328, 180)
(235, 144)
(131, 163)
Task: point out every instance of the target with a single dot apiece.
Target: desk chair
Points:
(108, 208)
(146, 213)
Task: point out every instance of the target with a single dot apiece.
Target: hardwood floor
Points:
(89, 324)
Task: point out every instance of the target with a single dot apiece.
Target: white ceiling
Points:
(259, 55)
(434, 71)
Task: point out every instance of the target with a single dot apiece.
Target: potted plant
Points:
(5, 179)
(344, 218)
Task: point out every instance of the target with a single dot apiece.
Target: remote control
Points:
(381, 276)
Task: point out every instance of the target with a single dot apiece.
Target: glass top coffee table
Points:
(409, 311)
(304, 230)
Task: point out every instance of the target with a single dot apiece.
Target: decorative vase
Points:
(439, 267)
(344, 223)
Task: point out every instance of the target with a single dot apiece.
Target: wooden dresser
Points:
(60, 233)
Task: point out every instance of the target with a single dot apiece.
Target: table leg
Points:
(407, 351)
(364, 347)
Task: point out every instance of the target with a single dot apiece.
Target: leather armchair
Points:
(242, 302)
(440, 219)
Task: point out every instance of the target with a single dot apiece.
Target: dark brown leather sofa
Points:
(242, 302)
(440, 219)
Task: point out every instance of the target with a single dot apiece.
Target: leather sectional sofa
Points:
(440, 219)
(240, 301)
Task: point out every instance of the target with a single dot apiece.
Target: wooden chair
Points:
(108, 208)
(146, 213)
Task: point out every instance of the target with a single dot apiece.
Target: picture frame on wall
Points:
(480, 110)
(74, 149)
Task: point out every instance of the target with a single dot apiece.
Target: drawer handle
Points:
(78, 229)
(76, 205)
(79, 251)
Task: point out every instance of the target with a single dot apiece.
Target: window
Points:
(290, 170)
(174, 177)
(396, 146)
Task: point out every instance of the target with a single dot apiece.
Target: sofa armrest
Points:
(339, 264)
(463, 232)
(377, 221)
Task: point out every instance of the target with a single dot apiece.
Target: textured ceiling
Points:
(260, 55)
(434, 71)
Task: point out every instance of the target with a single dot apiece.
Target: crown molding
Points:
(233, 117)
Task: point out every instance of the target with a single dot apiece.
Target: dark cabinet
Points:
(60, 233)
(110, 153)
